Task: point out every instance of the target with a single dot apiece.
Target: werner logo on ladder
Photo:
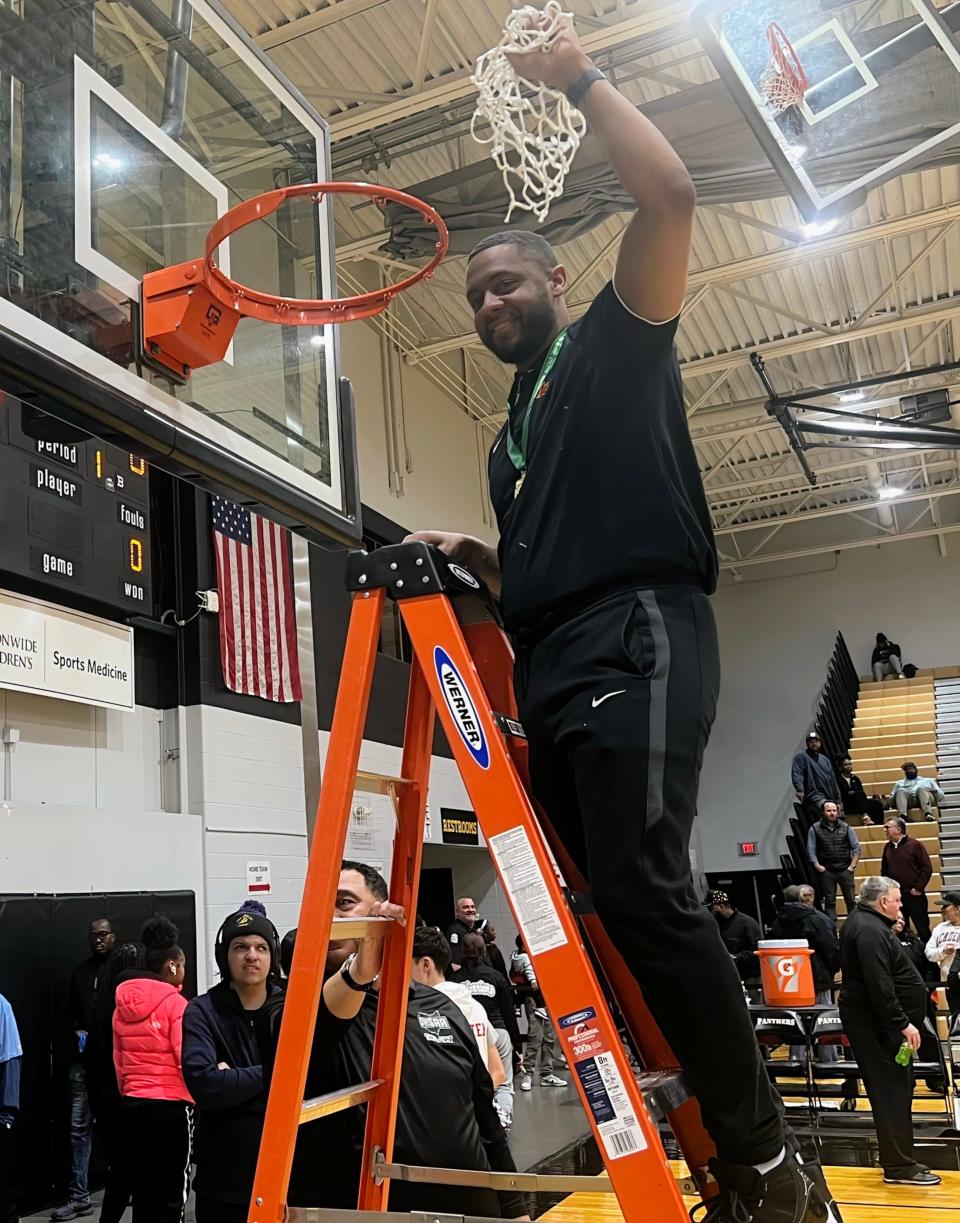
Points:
(623, 1109)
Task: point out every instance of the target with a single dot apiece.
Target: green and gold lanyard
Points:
(518, 453)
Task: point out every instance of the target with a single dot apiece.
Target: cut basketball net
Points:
(784, 83)
(534, 130)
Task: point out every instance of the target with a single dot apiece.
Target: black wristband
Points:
(349, 981)
(580, 86)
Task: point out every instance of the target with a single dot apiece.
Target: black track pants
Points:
(889, 1087)
(159, 1139)
(618, 703)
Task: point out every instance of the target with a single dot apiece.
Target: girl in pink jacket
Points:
(157, 1108)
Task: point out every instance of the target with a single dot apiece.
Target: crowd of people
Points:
(886, 996)
(175, 1090)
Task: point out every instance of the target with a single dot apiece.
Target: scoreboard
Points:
(74, 515)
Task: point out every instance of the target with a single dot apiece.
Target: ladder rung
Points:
(520, 1182)
(380, 783)
(337, 1101)
(358, 927)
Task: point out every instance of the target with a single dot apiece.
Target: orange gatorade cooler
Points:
(786, 972)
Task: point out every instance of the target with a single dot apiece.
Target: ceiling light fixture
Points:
(889, 492)
(818, 229)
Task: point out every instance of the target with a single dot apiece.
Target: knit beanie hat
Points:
(250, 918)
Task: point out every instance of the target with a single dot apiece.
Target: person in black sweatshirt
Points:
(883, 1004)
(740, 934)
(492, 990)
(885, 659)
(221, 1065)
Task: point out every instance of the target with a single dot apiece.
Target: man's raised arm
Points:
(651, 275)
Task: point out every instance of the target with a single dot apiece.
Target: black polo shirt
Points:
(612, 496)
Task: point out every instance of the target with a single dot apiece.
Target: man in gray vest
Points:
(834, 850)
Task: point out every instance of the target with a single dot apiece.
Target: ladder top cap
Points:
(406, 571)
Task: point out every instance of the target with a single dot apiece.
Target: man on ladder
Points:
(605, 562)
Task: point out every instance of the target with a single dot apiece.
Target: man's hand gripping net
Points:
(534, 131)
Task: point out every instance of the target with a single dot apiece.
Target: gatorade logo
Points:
(788, 978)
(461, 707)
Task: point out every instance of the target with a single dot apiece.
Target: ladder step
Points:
(663, 1091)
(358, 927)
(337, 1101)
(380, 783)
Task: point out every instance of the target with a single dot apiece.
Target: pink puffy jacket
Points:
(147, 1037)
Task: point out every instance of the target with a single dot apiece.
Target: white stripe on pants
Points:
(504, 1093)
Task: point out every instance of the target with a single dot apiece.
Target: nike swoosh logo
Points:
(598, 700)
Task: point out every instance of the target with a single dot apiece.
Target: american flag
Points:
(258, 630)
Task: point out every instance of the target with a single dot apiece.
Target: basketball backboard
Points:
(882, 89)
(125, 131)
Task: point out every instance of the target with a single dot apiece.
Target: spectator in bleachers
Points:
(883, 1003)
(886, 659)
(834, 851)
(740, 934)
(222, 1069)
(854, 798)
(157, 1108)
(445, 1116)
(463, 923)
(814, 780)
(906, 860)
(942, 949)
(11, 1058)
(431, 959)
(916, 792)
(799, 919)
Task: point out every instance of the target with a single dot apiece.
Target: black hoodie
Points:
(230, 1103)
(797, 920)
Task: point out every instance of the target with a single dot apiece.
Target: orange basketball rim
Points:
(190, 311)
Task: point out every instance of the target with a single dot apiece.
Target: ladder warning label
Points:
(602, 1083)
(538, 917)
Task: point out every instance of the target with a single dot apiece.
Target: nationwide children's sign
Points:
(56, 652)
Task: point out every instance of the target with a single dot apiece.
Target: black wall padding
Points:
(42, 938)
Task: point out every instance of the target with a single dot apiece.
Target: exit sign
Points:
(748, 849)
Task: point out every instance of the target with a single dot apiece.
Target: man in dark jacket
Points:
(883, 1003)
(798, 919)
(855, 800)
(222, 1070)
(834, 851)
(740, 934)
(83, 990)
(906, 860)
(885, 659)
(466, 921)
(813, 778)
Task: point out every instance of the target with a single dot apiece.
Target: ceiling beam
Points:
(311, 22)
(936, 312)
(831, 511)
(830, 549)
(644, 21)
(768, 262)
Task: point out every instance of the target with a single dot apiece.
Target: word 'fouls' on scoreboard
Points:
(74, 511)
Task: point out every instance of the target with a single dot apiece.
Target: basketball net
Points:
(534, 131)
(784, 82)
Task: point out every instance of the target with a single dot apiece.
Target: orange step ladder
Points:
(457, 671)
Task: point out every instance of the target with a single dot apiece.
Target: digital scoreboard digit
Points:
(74, 515)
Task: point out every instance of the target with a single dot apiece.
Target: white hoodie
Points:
(476, 1016)
(943, 946)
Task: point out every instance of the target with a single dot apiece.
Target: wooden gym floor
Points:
(861, 1193)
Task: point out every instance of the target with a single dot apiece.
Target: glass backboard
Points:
(882, 89)
(125, 131)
